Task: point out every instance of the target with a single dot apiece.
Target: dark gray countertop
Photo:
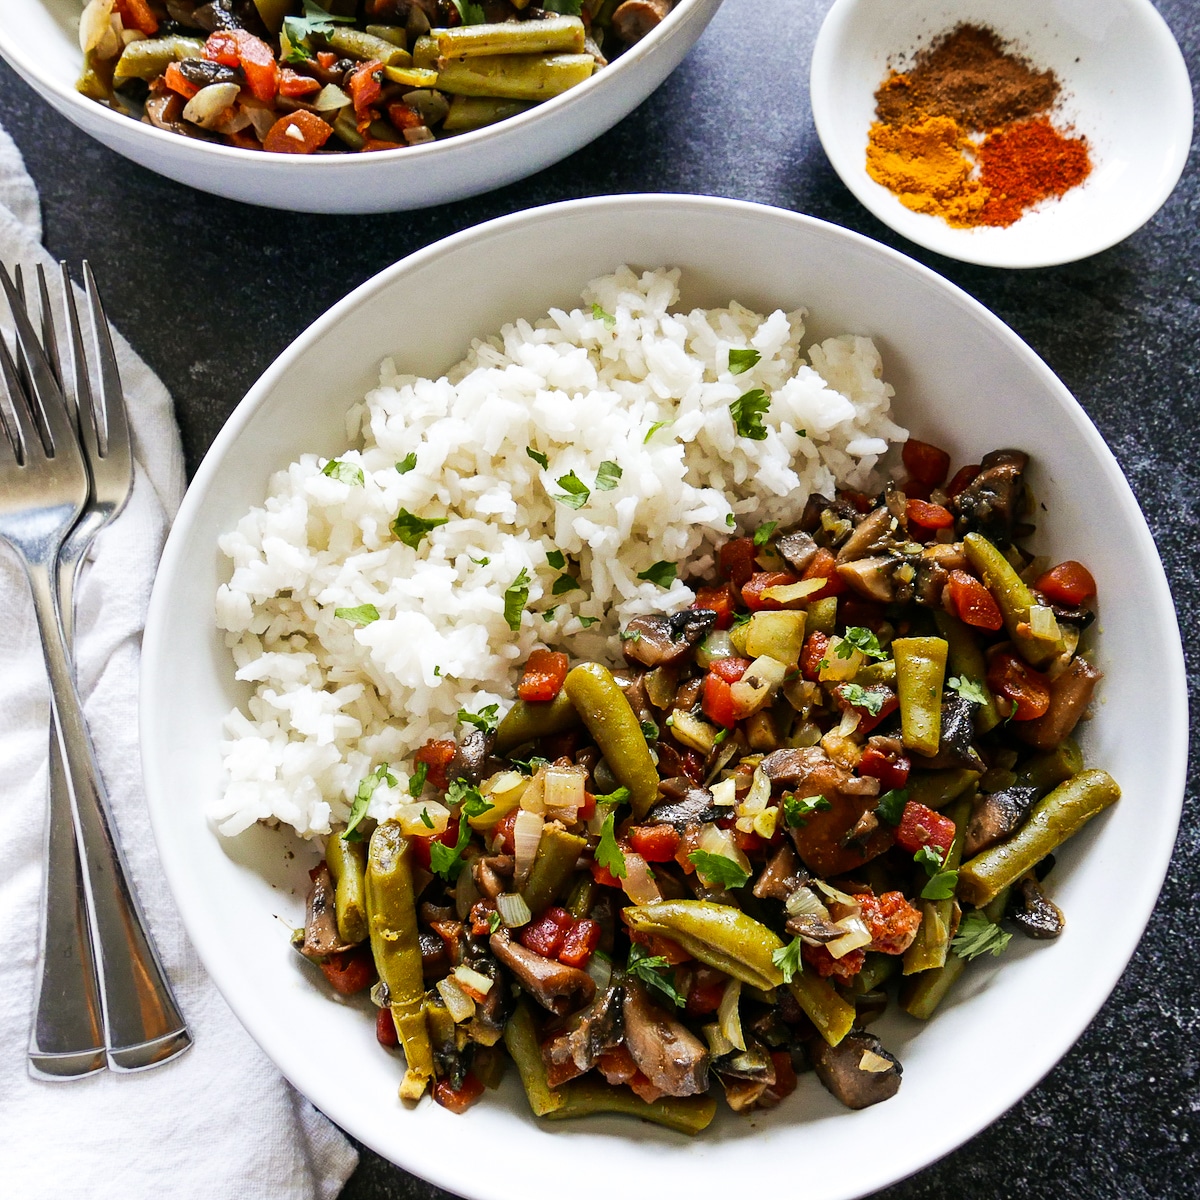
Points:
(209, 292)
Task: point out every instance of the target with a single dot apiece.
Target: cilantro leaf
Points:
(577, 492)
(486, 719)
(747, 413)
(740, 361)
(564, 583)
(344, 472)
(891, 805)
(480, 562)
(416, 783)
(444, 860)
(730, 520)
(619, 796)
(930, 859)
(871, 699)
(362, 800)
(598, 313)
(407, 463)
(494, 921)
(364, 614)
(977, 935)
(548, 615)
(797, 808)
(650, 731)
(515, 597)
(763, 534)
(863, 640)
(646, 968)
(587, 622)
(940, 886)
(472, 14)
(968, 689)
(607, 475)
(556, 558)
(630, 635)
(608, 853)
(530, 766)
(568, 8)
(425, 819)
(314, 20)
(654, 429)
(661, 573)
(410, 529)
(542, 460)
(717, 869)
(787, 959)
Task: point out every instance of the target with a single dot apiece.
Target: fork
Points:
(44, 487)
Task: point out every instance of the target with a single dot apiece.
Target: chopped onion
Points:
(804, 901)
(728, 749)
(714, 840)
(475, 984)
(533, 798)
(788, 593)
(563, 788)
(96, 31)
(724, 794)
(411, 825)
(600, 969)
(692, 732)
(875, 1063)
(849, 723)
(330, 97)
(809, 734)
(851, 906)
(458, 1004)
(379, 994)
(758, 686)
(728, 1016)
(764, 823)
(856, 936)
(715, 646)
(527, 835)
(661, 685)
(208, 105)
(639, 882)
(838, 669)
(718, 1044)
(1042, 624)
(757, 797)
(513, 910)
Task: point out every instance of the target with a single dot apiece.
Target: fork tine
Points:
(75, 373)
(114, 423)
(49, 338)
(22, 437)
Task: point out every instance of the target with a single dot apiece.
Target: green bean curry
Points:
(817, 793)
(293, 77)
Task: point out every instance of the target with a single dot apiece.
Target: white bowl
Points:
(963, 380)
(1125, 87)
(39, 38)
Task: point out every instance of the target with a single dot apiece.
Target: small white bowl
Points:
(1124, 86)
(965, 381)
(39, 38)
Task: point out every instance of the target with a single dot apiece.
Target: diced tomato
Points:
(747, 842)
(717, 701)
(826, 966)
(973, 603)
(1013, 678)
(293, 84)
(385, 1029)
(730, 669)
(349, 971)
(816, 646)
(365, 87)
(237, 48)
(617, 1065)
(480, 917)
(1070, 583)
(881, 696)
(736, 560)
(603, 876)
(587, 810)
(545, 671)
(222, 47)
(544, 935)
(326, 59)
(928, 516)
(505, 835)
(925, 463)
(580, 943)
(372, 144)
(404, 117)
(448, 837)
(921, 826)
(752, 592)
(174, 79)
(962, 478)
(860, 500)
(824, 566)
(437, 754)
(892, 920)
(785, 1074)
(458, 1099)
(890, 769)
(136, 14)
(705, 994)
(661, 947)
(300, 132)
(655, 843)
(720, 600)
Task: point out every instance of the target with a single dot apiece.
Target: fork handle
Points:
(142, 1021)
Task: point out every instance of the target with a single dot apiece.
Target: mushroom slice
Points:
(321, 937)
(798, 549)
(684, 803)
(556, 987)
(995, 816)
(673, 1058)
(991, 503)
(869, 536)
(871, 578)
(636, 18)
(858, 1070)
(1033, 913)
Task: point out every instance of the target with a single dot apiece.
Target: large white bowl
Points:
(40, 39)
(963, 380)
(1125, 86)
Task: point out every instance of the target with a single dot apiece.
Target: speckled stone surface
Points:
(210, 292)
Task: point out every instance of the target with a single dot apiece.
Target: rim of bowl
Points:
(308, 1078)
(821, 72)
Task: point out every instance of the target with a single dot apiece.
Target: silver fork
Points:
(44, 486)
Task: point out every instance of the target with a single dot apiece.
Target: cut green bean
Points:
(366, 47)
(932, 943)
(585, 1097)
(528, 722)
(515, 76)
(348, 866)
(921, 994)
(521, 1041)
(936, 789)
(475, 112)
(148, 58)
(965, 660)
(1048, 770)
(555, 35)
(920, 677)
(833, 1016)
(553, 866)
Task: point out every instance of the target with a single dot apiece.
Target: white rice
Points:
(333, 700)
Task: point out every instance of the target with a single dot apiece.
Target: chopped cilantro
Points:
(862, 640)
(608, 853)
(515, 597)
(940, 886)
(480, 562)
(661, 573)
(968, 689)
(977, 935)
(362, 800)
(730, 520)
(797, 808)
(444, 860)
(607, 475)
(437, 672)
(648, 968)
(541, 459)
(576, 491)
(717, 869)
(298, 29)
(764, 533)
(556, 558)
(344, 472)
(620, 796)
(587, 622)
(650, 731)
(740, 361)
(472, 14)
(741, 619)
(364, 614)
(655, 428)
(548, 615)
(891, 805)
(871, 699)
(747, 413)
(787, 959)
(722, 734)
(416, 783)
(630, 635)
(407, 463)
(494, 921)
(410, 529)
(426, 820)
(598, 313)
(563, 584)
(930, 859)
(486, 719)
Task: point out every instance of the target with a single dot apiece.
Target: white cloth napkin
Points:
(219, 1122)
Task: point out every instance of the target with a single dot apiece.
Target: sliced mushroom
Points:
(745, 1075)
(808, 768)
(995, 816)
(955, 745)
(782, 875)
(813, 927)
(684, 803)
(556, 987)
(991, 503)
(673, 1058)
(1070, 695)
(586, 1035)
(869, 536)
(435, 961)
(470, 759)
(493, 873)
(1033, 913)
(798, 549)
(321, 935)
(656, 641)
(871, 578)
(858, 1070)
(636, 18)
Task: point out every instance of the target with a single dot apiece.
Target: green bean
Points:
(396, 34)
(936, 789)
(273, 12)
(554, 864)
(1012, 596)
(425, 53)
(1053, 820)
(822, 615)
(347, 131)
(833, 1016)
(515, 76)
(521, 1041)
(395, 946)
(965, 660)
(920, 676)
(474, 112)
(348, 864)
(148, 58)
(995, 910)
(528, 722)
(553, 35)
(877, 672)
(921, 994)
(877, 970)
(932, 943)
(582, 896)
(684, 1114)
(598, 699)
(716, 934)
(1048, 770)
(355, 43)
